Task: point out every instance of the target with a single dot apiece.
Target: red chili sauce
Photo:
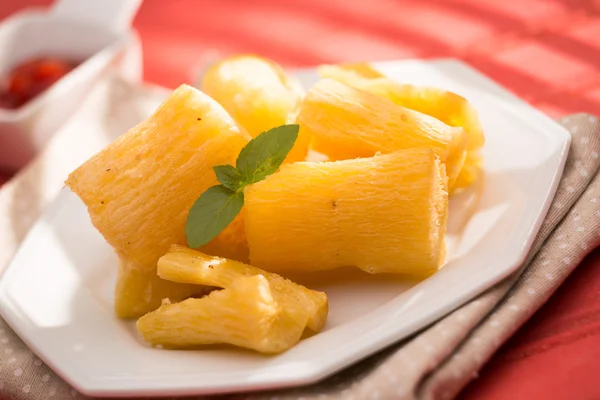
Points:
(30, 78)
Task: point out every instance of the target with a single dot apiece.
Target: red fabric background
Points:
(546, 51)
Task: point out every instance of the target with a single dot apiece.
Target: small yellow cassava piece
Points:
(258, 94)
(255, 310)
(139, 291)
(448, 107)
(383, 214)
(345, 123)
(140, 188)
(184, 265)
(246, 315)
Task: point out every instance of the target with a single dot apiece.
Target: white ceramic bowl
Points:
(97, 33)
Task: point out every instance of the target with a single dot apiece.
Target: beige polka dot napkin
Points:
(434, 364)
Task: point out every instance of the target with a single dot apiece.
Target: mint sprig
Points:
(214, 210)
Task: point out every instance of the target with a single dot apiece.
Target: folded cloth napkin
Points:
(434, 364)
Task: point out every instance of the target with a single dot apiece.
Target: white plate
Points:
(57, 292)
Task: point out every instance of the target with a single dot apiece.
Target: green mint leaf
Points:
(229, 176)
(211, 213)
(263, 155)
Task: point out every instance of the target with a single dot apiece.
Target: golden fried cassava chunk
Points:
(139, 189)
(347, 123)
(245, 314)
(184, 265)
(258, 94)
(448, 107)
(381, 214)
